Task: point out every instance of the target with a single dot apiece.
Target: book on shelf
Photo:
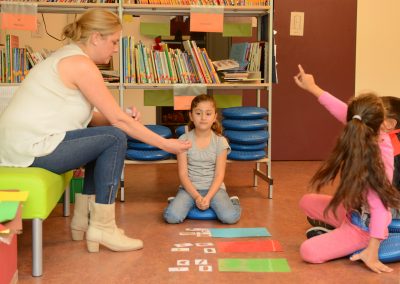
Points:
(14, 61)
(242, 76)
(37, 56)
(128, 60)
(239, 52)
(249, 55)
(189, 49)
(110, 76)
(147, 65)
(235, 3)
(226, 64)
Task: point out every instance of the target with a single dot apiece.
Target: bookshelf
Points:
(257, 9)
(229, 11)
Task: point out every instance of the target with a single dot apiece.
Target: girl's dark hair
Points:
(392, 108)
(358, 158)
(216, 127)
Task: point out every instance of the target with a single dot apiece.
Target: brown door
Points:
(301, 128)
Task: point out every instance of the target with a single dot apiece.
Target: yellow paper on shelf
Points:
(158, 98)
(237, 29)
(7, 195)
(225, 101)
(238, 26)
(155, 29)
(155, 26)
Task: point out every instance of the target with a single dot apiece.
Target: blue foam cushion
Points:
(357, 220)
(394, 226)
(149, 155)
(240, 124)
(244, 112)
(246, 137)
(389, 249)
(140, 146)
(246, 155)
(159, 129)
(244, 147)
(197, 214)
(180, 130)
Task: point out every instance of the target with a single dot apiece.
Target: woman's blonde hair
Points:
(94, 20)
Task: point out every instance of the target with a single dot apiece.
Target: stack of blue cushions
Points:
(244, 127)
(144, 152)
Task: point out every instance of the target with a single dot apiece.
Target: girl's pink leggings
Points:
(340, 242)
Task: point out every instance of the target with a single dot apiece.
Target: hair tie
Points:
(357, 117)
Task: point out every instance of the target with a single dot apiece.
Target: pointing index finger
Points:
(301, 69)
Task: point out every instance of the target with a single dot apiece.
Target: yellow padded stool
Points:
(45, 190)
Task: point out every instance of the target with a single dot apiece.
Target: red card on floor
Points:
(249, 246)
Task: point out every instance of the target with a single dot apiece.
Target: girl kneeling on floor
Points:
(363, 159)
(202, 167)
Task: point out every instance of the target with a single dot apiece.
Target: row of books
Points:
(143, 64)
(249, 55)
(35, 57)
(204, 2)
(70, 1)
(13, 61)
(168, 2)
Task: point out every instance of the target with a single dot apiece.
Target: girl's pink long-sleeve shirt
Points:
(380, 216)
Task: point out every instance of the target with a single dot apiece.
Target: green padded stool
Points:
(45, 189)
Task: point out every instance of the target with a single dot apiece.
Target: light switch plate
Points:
(297, 23)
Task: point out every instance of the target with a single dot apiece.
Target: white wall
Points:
(378, 52)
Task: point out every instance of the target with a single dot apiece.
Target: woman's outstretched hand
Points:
(307, 82)
(176, 146)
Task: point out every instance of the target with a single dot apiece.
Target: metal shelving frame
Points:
(173, 10)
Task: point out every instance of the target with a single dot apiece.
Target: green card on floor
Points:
(253, 265)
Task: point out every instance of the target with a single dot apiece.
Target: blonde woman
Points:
(51, 123)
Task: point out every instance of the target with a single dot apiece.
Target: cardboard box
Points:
(10, 226)
(8, 261)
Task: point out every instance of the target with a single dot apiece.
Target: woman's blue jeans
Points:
(100, 149)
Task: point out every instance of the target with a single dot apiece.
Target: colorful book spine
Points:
(189, 50)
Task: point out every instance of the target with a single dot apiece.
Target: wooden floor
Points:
(147, 189)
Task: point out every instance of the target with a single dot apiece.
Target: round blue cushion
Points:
(247, 124)
(394, 226)
(180, 130)
(244, 112)
(197, 214)
(244, 147)
(159, 129)
(389, 249)
(246, 155)
(246, 137)
(140, 146)
(147, 155)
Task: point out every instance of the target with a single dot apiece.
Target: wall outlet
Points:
(39, 30)
(296, 23)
